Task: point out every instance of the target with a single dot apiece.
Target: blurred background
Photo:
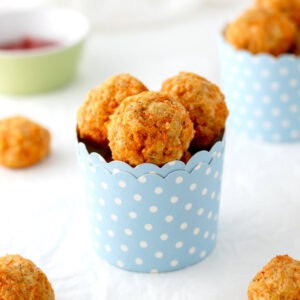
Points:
(113, 13)
(184, 31)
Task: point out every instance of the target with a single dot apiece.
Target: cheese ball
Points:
(205, 103)
(279, 279)
(21, 279)
(289, 7)
(22, 142)
(262, 31)
(101, 102)
(149, 128)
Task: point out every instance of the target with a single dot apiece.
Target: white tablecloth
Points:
(42, 212)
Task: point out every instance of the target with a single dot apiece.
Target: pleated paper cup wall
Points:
(152, 219)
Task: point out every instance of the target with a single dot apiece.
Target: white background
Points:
(42, 213)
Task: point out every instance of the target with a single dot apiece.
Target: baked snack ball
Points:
(205, 103)
(101, 102)
(261, 31)
(149, 127)
(22, 142)
(289, 7)
(21, 279)
(279, 279)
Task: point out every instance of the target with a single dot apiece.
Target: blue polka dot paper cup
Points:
(152, 219)
(263, 94)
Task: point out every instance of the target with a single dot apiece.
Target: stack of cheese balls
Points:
(142, 126)
(270, 26)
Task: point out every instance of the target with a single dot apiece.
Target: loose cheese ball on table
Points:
(22, 142)
(262, 31)
(149, 128)
(205, 103)
(279, 279)
(290, 7)
(101, 102)
(21, 279)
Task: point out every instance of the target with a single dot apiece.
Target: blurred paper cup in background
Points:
(27, 71)
(263, 94)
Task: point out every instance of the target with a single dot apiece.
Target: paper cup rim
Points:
(202, 157)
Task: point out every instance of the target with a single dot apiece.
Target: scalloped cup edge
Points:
(202, 157)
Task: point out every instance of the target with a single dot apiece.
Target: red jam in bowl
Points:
(28, 43)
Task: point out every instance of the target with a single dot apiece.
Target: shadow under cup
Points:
(150, 218)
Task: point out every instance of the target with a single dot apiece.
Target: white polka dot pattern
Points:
(263, 94)
(149, 223)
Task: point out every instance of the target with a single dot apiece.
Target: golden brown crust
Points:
(101, 102)
(20, 279)
(289, 7)
(278, 280)
(262, 31)
(22, 142)
(149, 127)
(205, 103)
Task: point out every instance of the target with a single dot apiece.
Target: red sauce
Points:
(28, 43)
